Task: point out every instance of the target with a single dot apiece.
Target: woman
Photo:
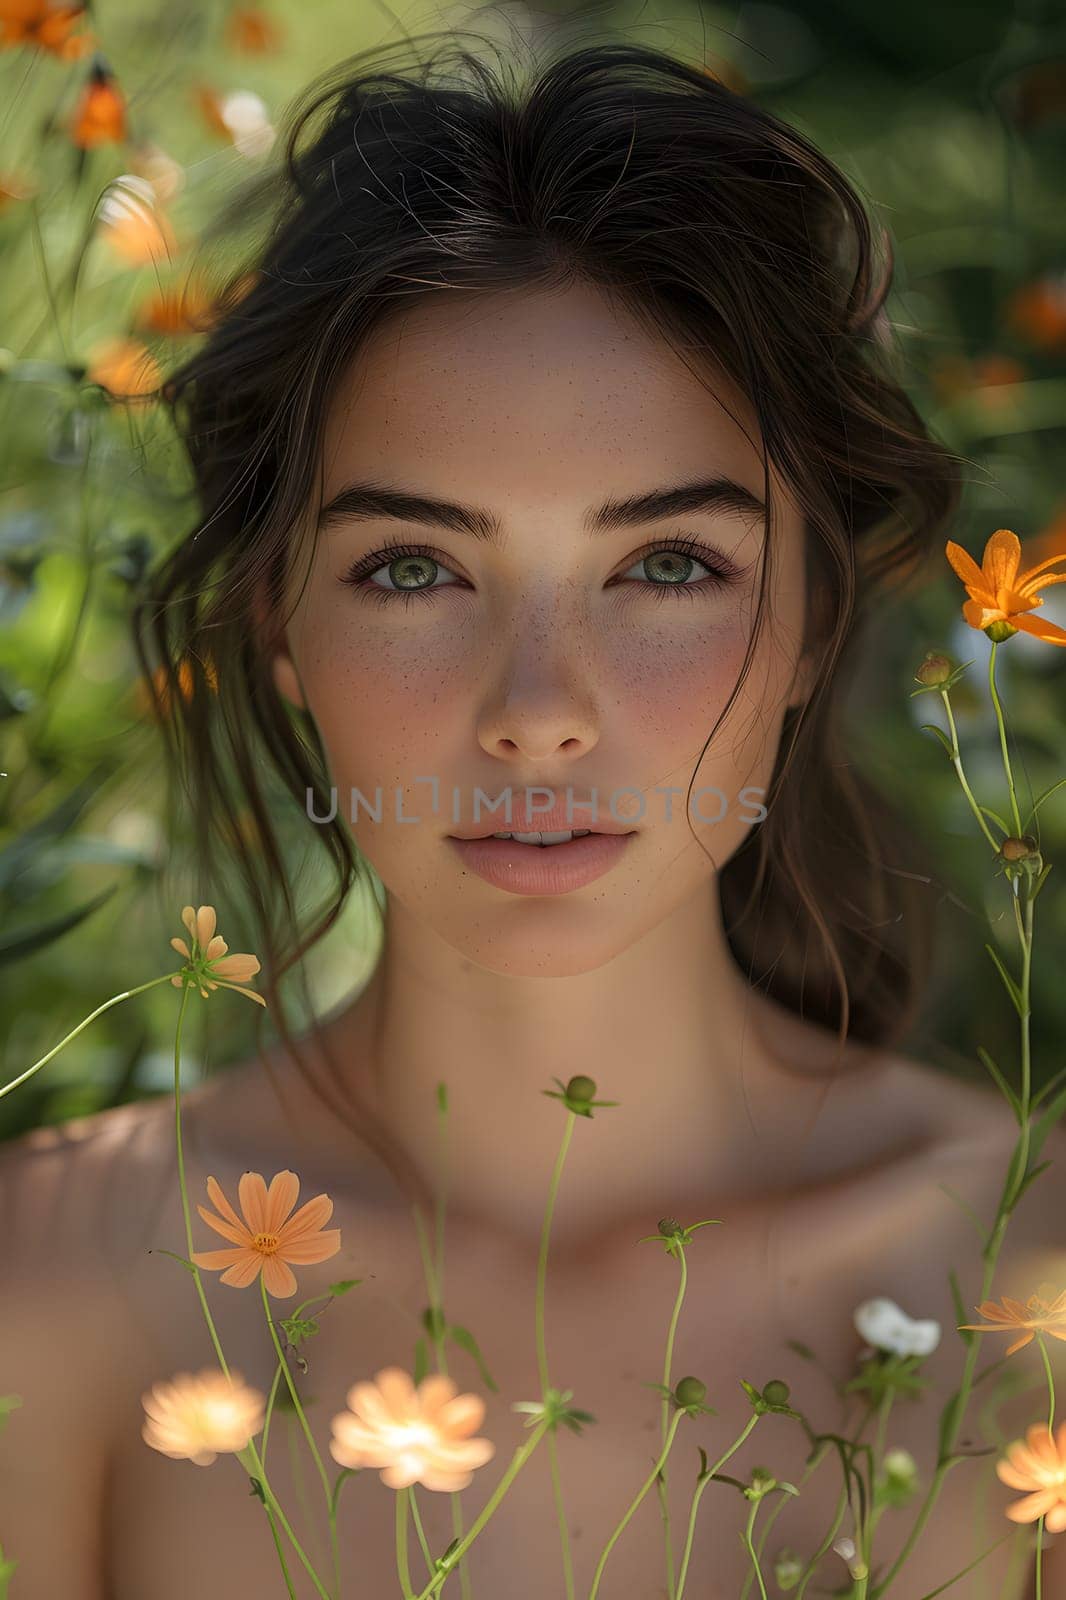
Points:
(551, 447)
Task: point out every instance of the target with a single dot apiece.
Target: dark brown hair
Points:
(733, 239)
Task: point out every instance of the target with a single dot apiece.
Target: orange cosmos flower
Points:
(178, 311)
(100, 112)
(1043, 1312)
(1037, 312)
(50, 28)
(250, 30)
(1039, 1465)
(192, 1418)
(160, 682)
(999, 593)
(209, 965)
(418, 1436)
(133, 225)
(126, 369)
(265, 1241)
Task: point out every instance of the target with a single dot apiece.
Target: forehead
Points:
(514, 385)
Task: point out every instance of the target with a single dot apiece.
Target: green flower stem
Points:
(751, 1548)
(1003, 737)
(435, 1289)
(956, 761)
(296, 1468)
(402, 1566)
(518, 1461)
(270, 1409)
(273, 1509)
(874, 1514)
(687, 1554)
(661, 1482)
(249, 1467)
(649, 1480)
(811, 1467)
(127, 994)
(1050, 1427)
(542, 1354)
(308, 1435)
(990, 1254)
(423, 1541)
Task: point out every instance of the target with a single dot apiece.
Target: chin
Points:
(542, 940)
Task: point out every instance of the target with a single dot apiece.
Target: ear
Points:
(275, 642)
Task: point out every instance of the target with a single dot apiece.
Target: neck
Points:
(708, 1108)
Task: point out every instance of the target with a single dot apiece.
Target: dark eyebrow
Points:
(361, 501)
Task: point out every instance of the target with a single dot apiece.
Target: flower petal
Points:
(965, 566)
(228, 1230)
(1048, 631)
(218, 1200)
(1033, 1506)
(244, 1272)
(398, 1392)
(1002, 554)
(314, 1247)
(249, 992)
(279, 1279)
(252, 1193)
(281, 1197)
(310, 1217)
(215, 1260)
(205, 926)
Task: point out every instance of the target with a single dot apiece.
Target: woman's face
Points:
(552, 656)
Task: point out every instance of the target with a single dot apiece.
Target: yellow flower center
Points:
(265, 1243)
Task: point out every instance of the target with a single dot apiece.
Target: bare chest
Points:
(754, 1285)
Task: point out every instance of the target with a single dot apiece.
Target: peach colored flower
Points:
(1043, 1312)
(126, 369)
(133, 224)
(1039, 1465)
(265, 1241)
(417, 1436)
(209, 965)
(999, 593)
(99, 115)
(193, 1418)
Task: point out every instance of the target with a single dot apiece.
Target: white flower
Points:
(845, 1547)
(883, 1325)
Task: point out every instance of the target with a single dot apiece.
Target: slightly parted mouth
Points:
(469, 838)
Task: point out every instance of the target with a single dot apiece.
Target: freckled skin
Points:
(554, 660)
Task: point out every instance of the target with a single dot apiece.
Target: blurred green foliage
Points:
(951, 121)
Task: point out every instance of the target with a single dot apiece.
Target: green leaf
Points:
(188, 1265)
(1027, 1180)
(1035, 1101)
(996, 818)
(1038, 803)
(8, 1403)
(1043, 1126)
(20, 942)
(960, 1308)
(442, 1096)
(931, 727)
(1012, 1098)
(1012, 988)
(343, 1286)
(466, 1341)
(421, 1361)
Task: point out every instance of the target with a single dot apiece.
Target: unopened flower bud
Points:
(845, 1547)
(788, 1570)
(669, 1226)
(581, 1088)
(1018, 849)
(934, 670)
(690, 1392)
(900, 1464)
(775, 1393)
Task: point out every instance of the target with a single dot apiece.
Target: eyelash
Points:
(358, 575)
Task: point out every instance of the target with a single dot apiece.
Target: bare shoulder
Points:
(972, 1136)
(66, 1190)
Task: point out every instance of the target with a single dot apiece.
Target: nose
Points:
(543, 704)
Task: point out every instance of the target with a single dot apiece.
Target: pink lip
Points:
(569, 813)
(540, 869)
